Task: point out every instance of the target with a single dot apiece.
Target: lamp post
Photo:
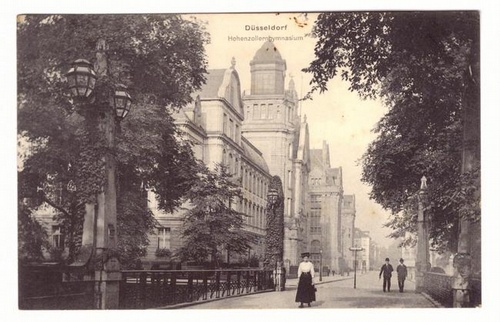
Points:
(355, 250)
(321, 265)
(100, 221)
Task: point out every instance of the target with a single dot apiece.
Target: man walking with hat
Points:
(402, 272)
(386, 270)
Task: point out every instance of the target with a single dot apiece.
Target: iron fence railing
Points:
(141, 289)
(439, 287)
(43, 288)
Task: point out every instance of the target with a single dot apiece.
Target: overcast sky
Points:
(338, 116)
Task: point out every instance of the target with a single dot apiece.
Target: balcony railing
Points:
(142, 289)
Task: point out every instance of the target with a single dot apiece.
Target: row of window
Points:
(267, 112)
(249, 179)
(231, 129)
(315, 229)
(256, 213)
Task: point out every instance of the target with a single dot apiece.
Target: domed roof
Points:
(267, 53)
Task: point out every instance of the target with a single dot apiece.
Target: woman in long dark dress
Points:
(305, 291)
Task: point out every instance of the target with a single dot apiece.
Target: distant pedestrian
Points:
(402, 273)
(306, 292)
(386, 270)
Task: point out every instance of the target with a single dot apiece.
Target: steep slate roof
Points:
(211, 88)
(253, 154)
(316, 157)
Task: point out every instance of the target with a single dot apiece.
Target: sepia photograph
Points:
(298, 160)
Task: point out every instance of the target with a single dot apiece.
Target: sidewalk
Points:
(293, 282)
(333, 292)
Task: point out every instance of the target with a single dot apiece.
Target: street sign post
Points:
(355, 250)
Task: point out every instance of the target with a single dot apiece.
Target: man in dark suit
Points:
(386, 270)
(402, 272)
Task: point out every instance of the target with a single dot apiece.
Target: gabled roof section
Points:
(223, 83)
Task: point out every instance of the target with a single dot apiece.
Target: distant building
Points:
(325, 200)
(348, 226)
(362, 239)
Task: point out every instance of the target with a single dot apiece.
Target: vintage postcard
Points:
(278, 160)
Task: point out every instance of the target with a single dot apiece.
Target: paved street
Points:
(333, 292)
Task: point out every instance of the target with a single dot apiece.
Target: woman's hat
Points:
(305, 254)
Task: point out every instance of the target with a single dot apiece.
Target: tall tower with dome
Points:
(272, 124)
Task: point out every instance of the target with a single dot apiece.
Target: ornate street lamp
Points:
(99, 232)
(81, 79)
(272, 196)
(122, 101)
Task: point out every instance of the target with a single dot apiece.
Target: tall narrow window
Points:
(248, 111)
(231, 129)
(164, 237)
(231, 163)
(256, 112)
(57, 237)
(224, 123)
(263, 111)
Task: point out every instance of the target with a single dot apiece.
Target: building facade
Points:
(213, 123)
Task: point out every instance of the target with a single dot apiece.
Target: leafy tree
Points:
(32, 237)
(425, 67)
(161, 59)
(211, 224)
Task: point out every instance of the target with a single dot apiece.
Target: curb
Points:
(433, 301)
(186, 304)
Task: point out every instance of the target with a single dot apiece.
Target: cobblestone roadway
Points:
(333, 292)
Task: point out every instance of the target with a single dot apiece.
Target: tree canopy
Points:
(211, 224)
(425, 67)
(161, 59)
